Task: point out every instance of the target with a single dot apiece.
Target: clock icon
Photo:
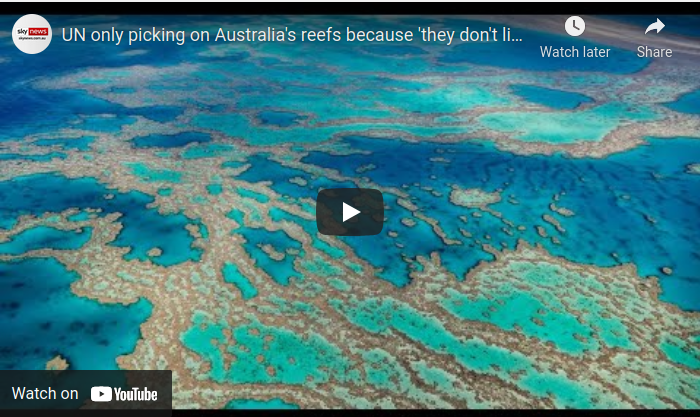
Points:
(575, 26)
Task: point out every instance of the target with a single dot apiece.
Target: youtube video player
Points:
(232, 206)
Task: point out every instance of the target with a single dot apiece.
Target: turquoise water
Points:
(42, 318)
(208, 151)
(234, 276)
(148, 174)
(39, 158)
(261, 198)
(215, 189)
(274, 404)
(45, 237)
(82, 144)
(558, 326)
(556, 99)
(566, 128)
(79, 217)
(236, 215)
(681, 352)
(232, 164)
(237, 125)
(203, 229)
(379, 316)
(309, 355)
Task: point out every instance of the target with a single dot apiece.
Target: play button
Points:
(349, 212)
(101, 394)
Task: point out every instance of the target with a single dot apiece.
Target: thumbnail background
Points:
(541, 239)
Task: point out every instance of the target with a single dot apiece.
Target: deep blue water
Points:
(263, 169)
(41, 193)
(40, 318)
(605, 222)
(279, 118)
(281, 271)
(19, 115)
(24, 110)
(687, 103)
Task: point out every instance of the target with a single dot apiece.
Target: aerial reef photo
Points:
(540, 246)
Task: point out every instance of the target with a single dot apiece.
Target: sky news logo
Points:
(33, 31)
(31, 34)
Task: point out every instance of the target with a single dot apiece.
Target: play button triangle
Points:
(349, 212)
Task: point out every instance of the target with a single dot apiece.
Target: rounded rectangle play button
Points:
(350, 212)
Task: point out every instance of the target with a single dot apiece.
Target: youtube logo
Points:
(101, 394)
